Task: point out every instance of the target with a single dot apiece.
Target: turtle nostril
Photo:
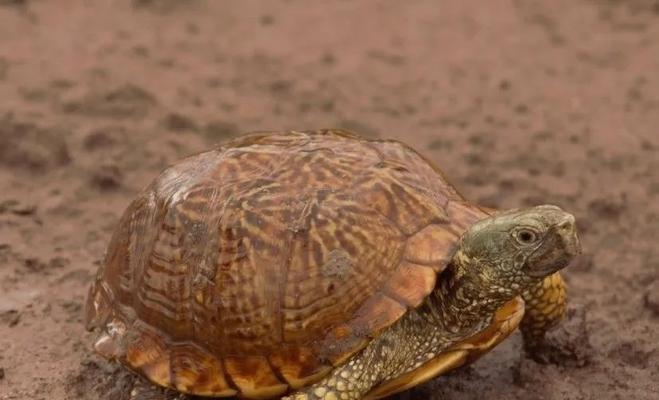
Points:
(567, 224)
(568, 231)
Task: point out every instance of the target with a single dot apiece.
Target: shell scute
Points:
(298, 366)
(254, 377)
(193, 371)
(147, 353)
(411, 283)
(432, 246)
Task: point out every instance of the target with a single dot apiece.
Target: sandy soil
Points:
(520, 102)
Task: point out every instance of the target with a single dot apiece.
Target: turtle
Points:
(320, 264)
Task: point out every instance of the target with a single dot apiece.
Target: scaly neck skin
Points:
(466, 297)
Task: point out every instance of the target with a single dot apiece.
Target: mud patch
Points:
(651, 298)
(28, 147)
(127, 101)
(99, 378)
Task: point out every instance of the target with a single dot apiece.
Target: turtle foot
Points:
(567, 344)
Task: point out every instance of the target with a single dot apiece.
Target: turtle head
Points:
(512, 249)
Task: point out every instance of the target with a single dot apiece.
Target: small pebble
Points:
(651, 298)
(107, 177)
(10, 317)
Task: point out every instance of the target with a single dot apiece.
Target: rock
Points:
(34, 264)
(58, 262)
(17, 208)
(10, 317)
(634, 352)
(528, 373)
(179, 123)
(107, 177)
(104, 137)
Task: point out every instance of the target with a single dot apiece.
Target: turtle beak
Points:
(567, 230)
(560, 245)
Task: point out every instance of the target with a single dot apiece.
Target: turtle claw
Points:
(567, 344)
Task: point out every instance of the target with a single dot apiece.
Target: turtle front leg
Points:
(350, 381)
(546, 307)
(546, 303)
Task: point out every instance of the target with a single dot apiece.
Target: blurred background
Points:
(519, 102)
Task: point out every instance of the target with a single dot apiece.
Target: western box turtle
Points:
(319, 265)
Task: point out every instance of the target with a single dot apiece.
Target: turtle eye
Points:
(526, 236)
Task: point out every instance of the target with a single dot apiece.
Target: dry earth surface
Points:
(520, 102)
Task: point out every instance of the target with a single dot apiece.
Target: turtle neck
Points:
(466, 296)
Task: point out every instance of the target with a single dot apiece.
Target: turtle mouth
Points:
(559, 247)
(548, 268)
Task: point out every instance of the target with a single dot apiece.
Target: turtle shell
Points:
(257, 267)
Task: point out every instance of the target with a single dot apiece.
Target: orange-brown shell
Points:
(259, 266)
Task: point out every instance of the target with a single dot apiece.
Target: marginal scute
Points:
(195, 371)
(298, 366)
(147, 354)
(254, 377)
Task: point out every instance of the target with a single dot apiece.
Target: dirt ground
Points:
(519, 102)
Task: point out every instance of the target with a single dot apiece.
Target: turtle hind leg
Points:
(144, 390)
(546, 338)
